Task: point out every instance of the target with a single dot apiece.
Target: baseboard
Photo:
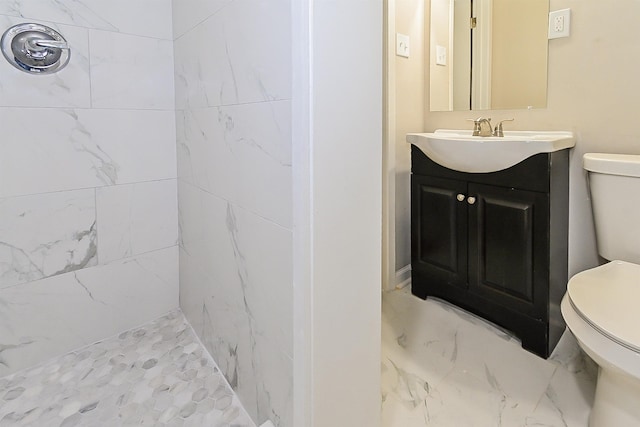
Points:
(403, 277)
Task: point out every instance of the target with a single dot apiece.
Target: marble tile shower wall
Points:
(88, 181)
(233, 119)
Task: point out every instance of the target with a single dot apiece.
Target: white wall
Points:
(439, 35)
(233, 115)
(338, 175)
(88, 207)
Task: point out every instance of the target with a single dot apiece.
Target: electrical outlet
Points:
(559, 23)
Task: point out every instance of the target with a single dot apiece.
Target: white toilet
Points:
(602, 305)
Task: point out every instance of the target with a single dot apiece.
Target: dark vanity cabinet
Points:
(495, 244)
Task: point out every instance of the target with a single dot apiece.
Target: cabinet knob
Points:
(460, 197)
(471, 200)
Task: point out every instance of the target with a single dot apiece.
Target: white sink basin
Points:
(458, 150)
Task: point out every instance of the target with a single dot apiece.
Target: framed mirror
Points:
(488, 54)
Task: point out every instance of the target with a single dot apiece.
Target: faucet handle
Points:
(498, 131)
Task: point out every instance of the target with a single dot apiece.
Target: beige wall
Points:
(519, 61)
(440, 81)
(593, 90)
(410, 113)
(461, 56)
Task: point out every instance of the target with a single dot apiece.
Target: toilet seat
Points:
(608, 299)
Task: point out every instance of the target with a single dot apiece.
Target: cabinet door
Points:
(508, 248)
(438, 233)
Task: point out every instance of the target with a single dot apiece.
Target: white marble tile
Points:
(273, 382)
(236, 290)
(406, 383)
(70, 87)
(569, 396)
(142, 143)
(253, 363)
(241, 153)
(201, 236)
(237, 248)
(45, 235)
(72, 12)
(444, 367)
(471, 345)
(136, 218)
(239, 55)
(131, 71)
(422, 382)
(569, 356)
(413, 398)
(83, 148)
(461, 399)
(566, 402)
(421, 364)
(502, 364)
(188, 14)
(45, 318)
(402, 316)
(150, 18)
(235, 192)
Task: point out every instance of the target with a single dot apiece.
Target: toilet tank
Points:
(614, 183)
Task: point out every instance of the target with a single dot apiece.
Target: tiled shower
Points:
(153, 172)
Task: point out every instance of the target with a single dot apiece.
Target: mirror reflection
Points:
(488, 54)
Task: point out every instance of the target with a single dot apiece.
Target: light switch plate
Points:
(402, 45)
(441, 55)
(559, 23)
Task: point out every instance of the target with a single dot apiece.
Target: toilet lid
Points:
(608, 298)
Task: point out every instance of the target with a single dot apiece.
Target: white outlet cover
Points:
(402, 45)
(563, 16)
(441, 55)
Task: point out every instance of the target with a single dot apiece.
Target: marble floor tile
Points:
(158, 374)
(442, 366)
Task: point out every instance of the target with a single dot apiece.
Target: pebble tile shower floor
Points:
(155, 375)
